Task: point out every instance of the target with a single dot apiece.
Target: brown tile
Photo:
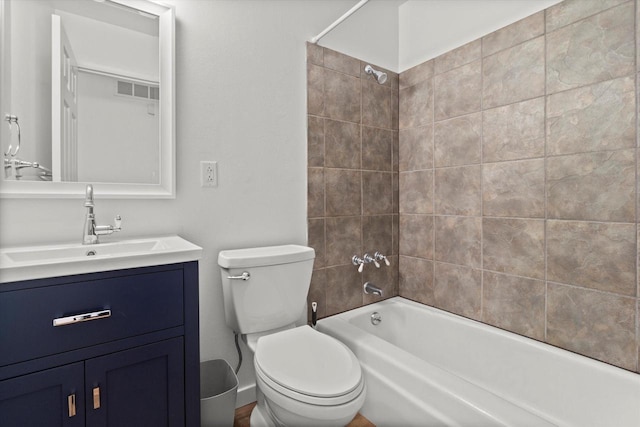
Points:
(377, 234)
(315, 192)
(344, 289)
(458, 141)
(341, 96)
(514, 74)
(514, 246)
(458, 240)
(377, 193)
(395, 109)
(457, 92)
(396, 235)
(595, 49)
(458, 289)
(315, 54)
(417, 236)
(513, 189)
(593, 255)
(344, 236)
(594, 186)
(342, 144)
(457, 190)
(415, 279)
(385, 278)
(592, 323)
(416, 105)
(315, 90)
(514, 131)
(376, 149)
(396, 192)
(511, 35)
(318, 292)
(340, 62)
(416, 192)
(457, 57)
(570, 11)
(317, 241)
(376, 105)
(514, 303)
(315, 141)
(416, 148)
(417, 74)
(342, 192)
(597, 117)
(395, 150)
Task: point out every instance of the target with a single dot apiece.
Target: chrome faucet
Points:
(91, 230)
(371, 289)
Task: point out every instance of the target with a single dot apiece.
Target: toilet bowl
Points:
(306, 378)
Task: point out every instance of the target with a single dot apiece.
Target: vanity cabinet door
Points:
(51, 398)
(140, 387)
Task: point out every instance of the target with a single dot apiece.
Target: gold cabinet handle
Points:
(96, 397)
(71, 402)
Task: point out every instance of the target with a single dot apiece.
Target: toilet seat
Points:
(308, 366)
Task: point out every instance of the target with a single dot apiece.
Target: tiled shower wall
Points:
(352, 178)
(518, 182)
(518, 188)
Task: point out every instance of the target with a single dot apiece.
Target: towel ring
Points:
(13, 119)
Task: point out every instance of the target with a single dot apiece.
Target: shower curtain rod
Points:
(338, 21)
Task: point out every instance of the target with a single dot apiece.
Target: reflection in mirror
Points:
(87, 96)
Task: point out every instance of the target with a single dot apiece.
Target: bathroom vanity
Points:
(105, 348)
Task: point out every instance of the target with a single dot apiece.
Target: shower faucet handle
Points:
(368, 258)
(356, 260)
(381, 257)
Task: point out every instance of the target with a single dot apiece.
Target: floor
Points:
(244, 413)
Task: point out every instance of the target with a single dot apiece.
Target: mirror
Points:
(87, 96)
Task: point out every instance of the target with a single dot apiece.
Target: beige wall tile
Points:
(514, 74)
(376, 149)
(343, 289)
(511, 35)
(513, 189)
(315, 141)
(594, 186)
(457, 92)
(377, 193)
(417, 74)
(316, 240)
(376, 105)
(415, 279)
(315, 54)
(315, 192)
(514, 246)
(458, 240)
(570, 11)
(417, 236)
(377, 234)
(337, 61)
(416, 192)
(315, 90)
(342, 144)
(416, 148)
(344, 237)
(458, 141)
(343, 192)
(594, 255)
(592, 323)
(514, 303)
(416, 105)
(458, 289)
(514, 131)
(457, 57)
(595, 49)
(341, 96)
(458, 190)
(597, 117)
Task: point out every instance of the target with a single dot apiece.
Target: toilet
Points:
(303, 377)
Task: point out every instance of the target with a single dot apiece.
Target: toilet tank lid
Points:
(269, 255)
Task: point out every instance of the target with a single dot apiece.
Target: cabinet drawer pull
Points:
(71, 401)
(96, 397)
(69, 320)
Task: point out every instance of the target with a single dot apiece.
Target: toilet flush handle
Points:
(244, 276)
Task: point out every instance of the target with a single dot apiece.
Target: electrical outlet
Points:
(208, 174)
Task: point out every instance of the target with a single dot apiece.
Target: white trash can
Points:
(218, 390)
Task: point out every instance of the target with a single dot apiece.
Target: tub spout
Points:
(371, 289)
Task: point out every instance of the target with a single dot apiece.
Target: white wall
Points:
(433, 27)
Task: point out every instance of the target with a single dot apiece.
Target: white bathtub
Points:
(426, 367)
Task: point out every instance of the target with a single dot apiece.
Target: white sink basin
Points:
(26, 263)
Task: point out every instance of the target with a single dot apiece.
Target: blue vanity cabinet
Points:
(137, 366)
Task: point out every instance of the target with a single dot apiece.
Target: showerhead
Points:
(379, 75)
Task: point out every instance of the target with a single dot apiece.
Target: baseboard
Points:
(246, 395)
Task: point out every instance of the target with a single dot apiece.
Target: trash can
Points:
(218, 390)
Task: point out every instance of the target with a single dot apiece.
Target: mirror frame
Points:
(166, 188)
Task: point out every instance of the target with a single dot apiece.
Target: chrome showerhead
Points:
(379, 75)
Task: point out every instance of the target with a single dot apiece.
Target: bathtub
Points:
(427, 367)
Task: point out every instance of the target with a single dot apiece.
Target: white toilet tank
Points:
(275, 291)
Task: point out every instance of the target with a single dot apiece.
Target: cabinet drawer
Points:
(138, 304)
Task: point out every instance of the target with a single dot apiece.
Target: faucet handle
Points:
(369, 258)
(379, 256)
